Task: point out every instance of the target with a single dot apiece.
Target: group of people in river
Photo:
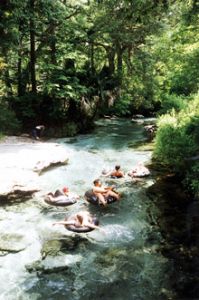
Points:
(83, 221)
(136, 172)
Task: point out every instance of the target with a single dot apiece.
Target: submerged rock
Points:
(54, 264)
(137, 121)
(55, 255)
(43, 166)
(55, 246)
(17, 193)
(12, 243)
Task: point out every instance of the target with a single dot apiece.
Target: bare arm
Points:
(64, 223)
(90, 225)
(109, 188)
(99, 190)
(107, 174)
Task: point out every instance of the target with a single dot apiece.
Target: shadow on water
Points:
(177, 219)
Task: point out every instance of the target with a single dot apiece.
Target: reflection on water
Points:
(119, 262)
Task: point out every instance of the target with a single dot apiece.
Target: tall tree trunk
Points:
(128, 60)
(119, 62)
(6, 74)
(92, 57)
(53, 45)
(19, 76)
(32, 48)
(111, 59)
(19, 64)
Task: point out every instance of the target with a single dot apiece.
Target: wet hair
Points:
(80, 218)
(96, 181)
(117, 167)
(65, 189)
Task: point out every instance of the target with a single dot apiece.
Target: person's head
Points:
(65, 190)
(81, 215)
(117, 167)
(80, 218)
(97, 182)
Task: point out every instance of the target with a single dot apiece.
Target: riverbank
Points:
(22, 160)
(178, 222)
(17, 140)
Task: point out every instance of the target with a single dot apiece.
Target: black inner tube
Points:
(60, 200)
(82, 229)
(92, 198)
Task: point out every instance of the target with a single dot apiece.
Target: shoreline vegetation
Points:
(178, 219)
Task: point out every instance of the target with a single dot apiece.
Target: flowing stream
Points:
(120, 262)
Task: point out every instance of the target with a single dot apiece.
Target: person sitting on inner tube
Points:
(139, 170)
(103, 192)
(66, 192)
(81, 219)
(59, 195)
(117, 173)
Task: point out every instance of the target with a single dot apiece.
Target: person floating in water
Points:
(139, 171)
(103, 192)
(117, 173)
(38, 131)
(80, 219)
(64, 194)
(69, 194)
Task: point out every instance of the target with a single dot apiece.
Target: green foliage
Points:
(122, 106)
(70, 129)
(191, 180)
(184, 78)
(172, 102)
(8, 121)
(25, 107)
(142, 53)
(173, 145)
(177, 141)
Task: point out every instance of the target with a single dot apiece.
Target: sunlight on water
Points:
(116, 260)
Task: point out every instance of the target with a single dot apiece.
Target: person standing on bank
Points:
(38, 131)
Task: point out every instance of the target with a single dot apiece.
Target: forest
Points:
(66, 63)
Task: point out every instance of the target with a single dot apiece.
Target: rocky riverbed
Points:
(22, 160)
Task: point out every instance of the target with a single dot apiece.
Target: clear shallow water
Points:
(119, 263)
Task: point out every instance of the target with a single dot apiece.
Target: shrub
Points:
(170, 102)
(177, 141)
(191, 180)
(8, 121)
(173, 146)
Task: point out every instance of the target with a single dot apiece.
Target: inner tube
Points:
(82, 229)
(92, 198)
(140, 174)
(61, 200)
(116, 177)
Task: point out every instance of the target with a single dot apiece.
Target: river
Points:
(120, 263)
